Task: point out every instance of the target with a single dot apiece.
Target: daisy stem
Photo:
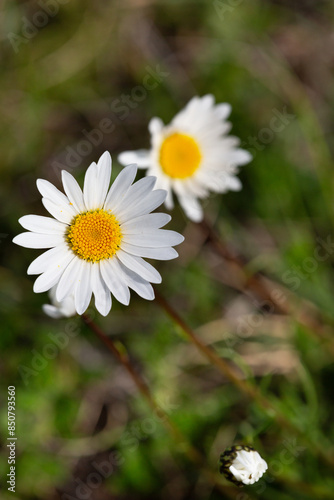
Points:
(228, 371)
(234, 377)
(305, 314)
(187, 448)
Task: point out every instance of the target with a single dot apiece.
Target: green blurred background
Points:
(71, 69)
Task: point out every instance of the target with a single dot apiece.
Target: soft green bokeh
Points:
(75, 405)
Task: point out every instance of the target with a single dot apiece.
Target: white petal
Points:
(189, 115)
(192, 208)
(192, 187)
(216, 181)
(138, 284)
(169, 203)
(120, 187)
(50, 192)
(207, 101)
(167, 253)
(34, 240)
(155, 126)
(66, 308)
(90, 190)
(44, 261)
(135, 194)
(73, 191)
(100, 290)
(141, 157)
(145, 222)
(239, 475)
(103, 176)
(154, 239)
(69, 279)
(52, 311)
(83, 289)
(43, 225)
(241, 157)
(233, 183)
(145, 206)
(61, 213)
(114, 279)
(223, 110)
(51, 277)
(139, 266)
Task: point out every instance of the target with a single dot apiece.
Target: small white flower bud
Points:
(242, 465)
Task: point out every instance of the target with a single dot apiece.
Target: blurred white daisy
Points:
(192, 155)
(98, 237)
(63, 309)
(242, 465)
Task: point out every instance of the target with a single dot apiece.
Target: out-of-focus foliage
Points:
(72, 84)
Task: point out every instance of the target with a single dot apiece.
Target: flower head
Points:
(63, 309)
(242, 465)
(193, 155)
(98, 237)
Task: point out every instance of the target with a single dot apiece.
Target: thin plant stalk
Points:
(188, 449)
(307, 316)
(233, 376)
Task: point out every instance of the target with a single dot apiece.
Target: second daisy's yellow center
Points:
(180, 156)
(94, 236)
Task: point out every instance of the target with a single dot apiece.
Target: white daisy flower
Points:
(192, 155)
(242, 465)
(98, 237)
(63, 309)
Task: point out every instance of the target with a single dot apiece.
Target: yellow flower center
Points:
(180, 156)
(94, 236)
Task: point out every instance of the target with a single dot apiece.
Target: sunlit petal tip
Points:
(155, 125)
(105, 159)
